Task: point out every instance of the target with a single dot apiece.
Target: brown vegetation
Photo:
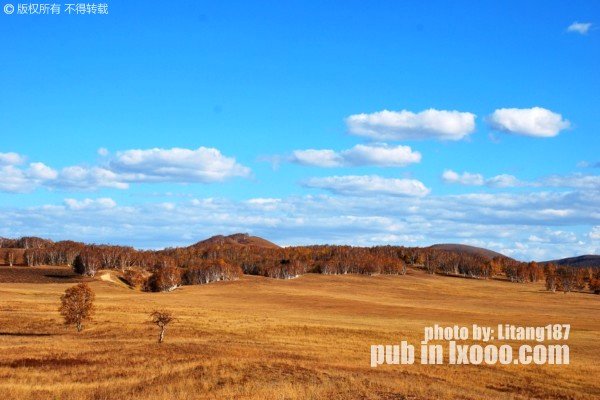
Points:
(77, 305)
(161, 319)
(228, 257)
(39, 274)
(267, 339)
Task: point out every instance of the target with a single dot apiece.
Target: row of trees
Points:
(168, 269)
(569, 279)
(26, 242)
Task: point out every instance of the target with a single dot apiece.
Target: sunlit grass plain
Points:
(306, 338)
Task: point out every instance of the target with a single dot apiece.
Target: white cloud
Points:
(577, 181)
(84, 178)
(204, 165)
(580, 27)
(556, 212)
(465, 178)
(13, 179)
(317, 158)
(359, 155)
(11, 159)
(90, 204)
(41, 172)
(535, 122)
(369, 185)
(23, 180)
(262, 201)
(554, 236)
(595, 233)
(504, 181)
(383, 156)
(573, 181)
(470, 179)
(405, 125)
(103, 151)
(264, 204)
(538, 226)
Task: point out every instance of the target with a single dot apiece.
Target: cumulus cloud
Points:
(11, 159)
(84, 178)
(534, 122)
(41, 172)
(13, 179)
(359, 155)
(406, 125)
(577, 181)
(90, 204)
(264, 204)
(572, 181)
(203, 165)
(354, 185)
(23, 180)
(465, 178)
(539, 225)
(579, 27)
(504, 181)
(469, 179)
(554, 236)
(317, 158)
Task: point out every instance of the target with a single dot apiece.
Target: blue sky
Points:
(159, 125)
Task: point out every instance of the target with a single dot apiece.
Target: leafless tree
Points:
(161, 319)
(10, 258)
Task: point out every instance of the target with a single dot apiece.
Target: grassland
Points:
(307, 338)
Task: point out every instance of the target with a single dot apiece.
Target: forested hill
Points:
(463, 248)
(228, 257)
(237, 239)
(581, 261)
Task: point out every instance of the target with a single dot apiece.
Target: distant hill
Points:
(237, 239)
(580, 261)
(463, 248)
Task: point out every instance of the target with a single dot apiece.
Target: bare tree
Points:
(162, 319)
(77, 305)
(10, 258)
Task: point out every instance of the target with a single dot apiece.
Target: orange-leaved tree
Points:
(77, 305)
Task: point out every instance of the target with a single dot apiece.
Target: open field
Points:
(39, 275)
(307, 338)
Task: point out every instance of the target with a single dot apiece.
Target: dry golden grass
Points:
(307, 338)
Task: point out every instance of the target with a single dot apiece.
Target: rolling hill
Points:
(237, 239)
(580, 261)
(463, 248)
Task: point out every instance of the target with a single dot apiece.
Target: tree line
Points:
(165, 270)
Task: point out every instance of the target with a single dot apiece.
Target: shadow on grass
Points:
(58, 276)
(26, 334)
